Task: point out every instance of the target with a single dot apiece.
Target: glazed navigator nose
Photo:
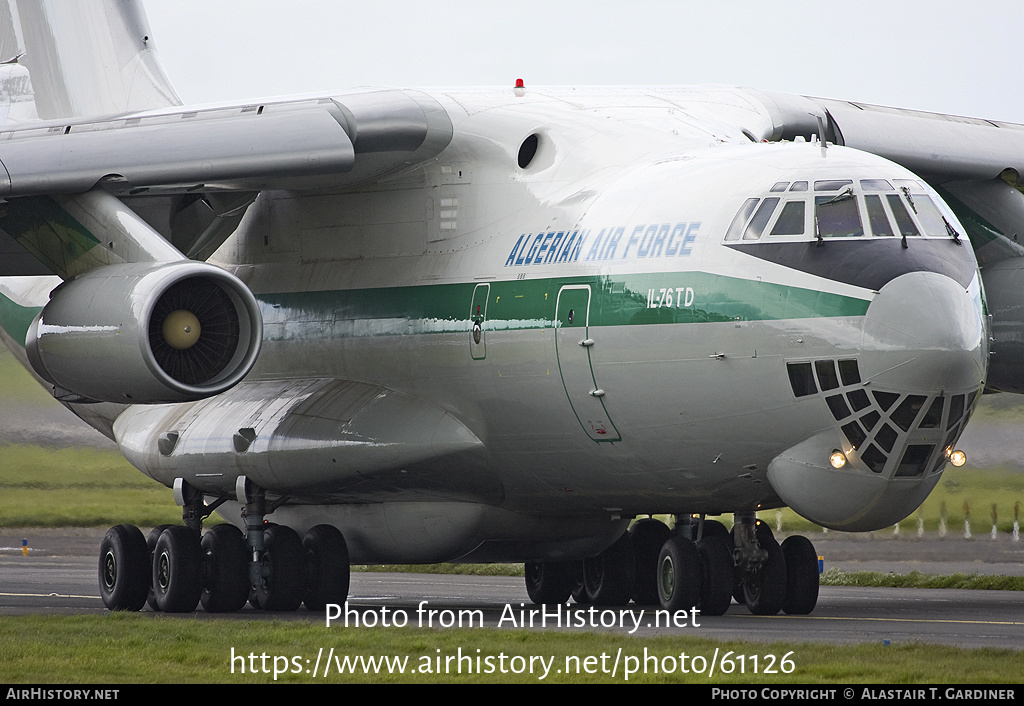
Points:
(922, 363)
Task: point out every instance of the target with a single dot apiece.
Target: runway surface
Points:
(59, 576)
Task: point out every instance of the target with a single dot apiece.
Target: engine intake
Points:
(147, 334)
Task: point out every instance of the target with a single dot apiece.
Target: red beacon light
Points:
(520, 88)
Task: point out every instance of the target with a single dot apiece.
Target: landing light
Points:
(957, 458)
(837, 459)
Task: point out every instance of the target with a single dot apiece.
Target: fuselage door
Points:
(573, 347)
(477, 317)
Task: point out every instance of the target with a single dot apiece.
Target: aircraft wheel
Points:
(225, 570)
(579, 587)
(801, 575)
(282, 586)
(714, 528)
(124, 561)
(679, 574)
(549, 582)
(717, 586)
(764, 590)
(154, 534)
(608, 577)
(648, 536)
(327, 567)
(177, 570)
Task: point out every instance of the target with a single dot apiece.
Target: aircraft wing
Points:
(289, 144)
(201, 158)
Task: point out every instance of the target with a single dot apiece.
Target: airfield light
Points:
(837, 459)
(957, 458)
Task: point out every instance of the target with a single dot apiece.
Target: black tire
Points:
(124, 568)
(327, 567)
(764, 590)
(177, 570)
(608, 577)
(579, 588)
(154, 534)
(717, 585)
(801, 575)
(225, 570)
(648, 536)
(714, 528)
(679, 574)
(549, 582)
(283, 585)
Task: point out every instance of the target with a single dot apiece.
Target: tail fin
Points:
(84, 58)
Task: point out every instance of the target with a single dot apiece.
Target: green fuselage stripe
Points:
(621, 300)
(618, 300)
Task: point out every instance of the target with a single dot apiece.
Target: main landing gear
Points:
(699, 565)
(269, 566)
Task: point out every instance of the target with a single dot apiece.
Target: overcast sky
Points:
(955, 57)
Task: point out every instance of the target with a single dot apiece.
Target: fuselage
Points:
(681, 397)
(596, 314)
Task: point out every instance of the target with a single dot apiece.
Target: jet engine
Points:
(146, 333)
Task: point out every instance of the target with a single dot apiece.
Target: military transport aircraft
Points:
(497, 325)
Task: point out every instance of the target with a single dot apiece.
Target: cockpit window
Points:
(760, 219)
(843, 208)
(832, 184)
(876, 185)
(929, 215)
(736, 228)
(903, 220)
(876, 216)
(791, 219)
(837, 216)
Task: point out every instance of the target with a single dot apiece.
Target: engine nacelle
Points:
(145, 333)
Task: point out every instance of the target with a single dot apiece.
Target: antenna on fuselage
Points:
(821, 136)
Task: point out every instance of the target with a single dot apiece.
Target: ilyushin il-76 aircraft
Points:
(497, 325)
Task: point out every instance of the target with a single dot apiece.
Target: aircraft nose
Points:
(923, 358)
(925, 332)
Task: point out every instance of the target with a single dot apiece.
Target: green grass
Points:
(915, 579)
(122, 648)
(83, 487)
(18, 384)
